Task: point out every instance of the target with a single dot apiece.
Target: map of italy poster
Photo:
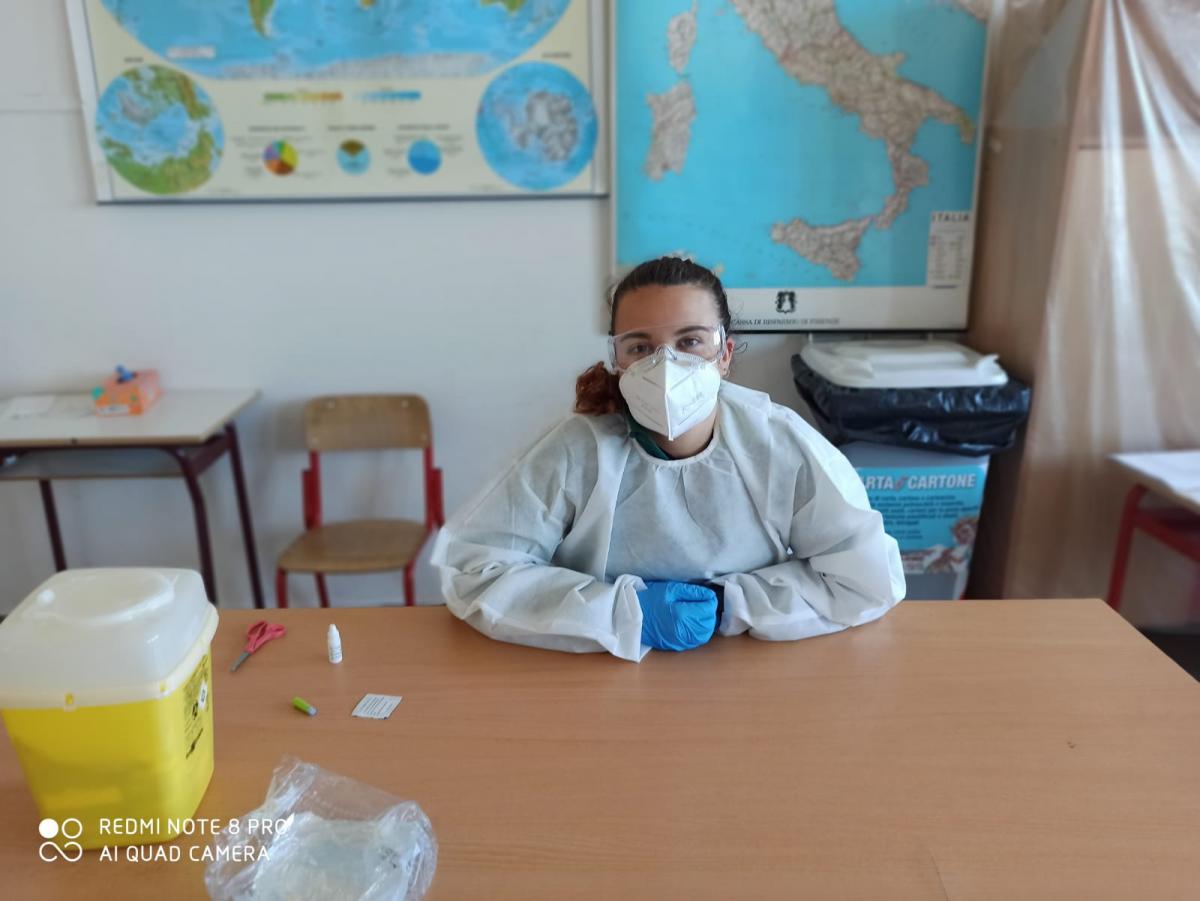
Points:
(295, 99)
(820, 155)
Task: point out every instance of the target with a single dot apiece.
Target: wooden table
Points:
(1007, 750)
(180, 436)
(1174, 478)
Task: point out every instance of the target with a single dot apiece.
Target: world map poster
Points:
(292, 99)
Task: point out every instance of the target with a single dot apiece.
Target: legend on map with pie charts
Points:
(280, 158)
(354, 157)
(290, 99)
(425, 157)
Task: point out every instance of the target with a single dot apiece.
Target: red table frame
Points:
(1177, 528)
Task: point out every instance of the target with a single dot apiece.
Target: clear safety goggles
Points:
(704, 341)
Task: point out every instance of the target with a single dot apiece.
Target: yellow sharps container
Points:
(106, 694)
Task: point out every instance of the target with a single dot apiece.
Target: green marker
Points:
(303, 706)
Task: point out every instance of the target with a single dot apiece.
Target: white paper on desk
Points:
(30, 406)
(74, 406)
(1177, 470)
(376, 707)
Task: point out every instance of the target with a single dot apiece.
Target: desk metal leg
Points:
(239, 482)
(191, 477)
(1116, 583)
(56, 542)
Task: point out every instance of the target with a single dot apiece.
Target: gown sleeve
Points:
(494, 557)
(843, 569)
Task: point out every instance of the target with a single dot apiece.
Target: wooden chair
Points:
(361, 422)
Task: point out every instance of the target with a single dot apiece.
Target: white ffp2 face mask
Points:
(669, 393)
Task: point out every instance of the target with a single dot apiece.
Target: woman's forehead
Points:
(657, 306)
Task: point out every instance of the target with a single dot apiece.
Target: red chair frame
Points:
(310, 486)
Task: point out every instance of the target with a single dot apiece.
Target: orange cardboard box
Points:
(131, 397)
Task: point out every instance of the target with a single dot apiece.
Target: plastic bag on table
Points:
(321, 835)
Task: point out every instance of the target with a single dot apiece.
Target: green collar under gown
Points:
(642, 436)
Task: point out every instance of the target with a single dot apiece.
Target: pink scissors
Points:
(256, 636)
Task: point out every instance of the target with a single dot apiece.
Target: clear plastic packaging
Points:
(321, 835)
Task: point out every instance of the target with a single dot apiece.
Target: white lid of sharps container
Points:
(88, 637)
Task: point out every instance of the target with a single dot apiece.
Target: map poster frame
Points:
(422, 130)
(941, 304)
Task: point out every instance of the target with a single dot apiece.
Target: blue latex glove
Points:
(677, 616)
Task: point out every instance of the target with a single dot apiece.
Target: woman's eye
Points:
(689, 343)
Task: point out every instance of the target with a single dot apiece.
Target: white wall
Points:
(488, 309)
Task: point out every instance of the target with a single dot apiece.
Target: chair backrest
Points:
(366, 422)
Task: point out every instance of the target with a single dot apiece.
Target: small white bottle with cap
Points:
(334, 641)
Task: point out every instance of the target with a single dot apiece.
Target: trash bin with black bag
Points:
(919, 420)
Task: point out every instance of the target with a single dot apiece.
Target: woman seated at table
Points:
(672, 505)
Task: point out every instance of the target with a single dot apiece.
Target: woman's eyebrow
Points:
(682, 330)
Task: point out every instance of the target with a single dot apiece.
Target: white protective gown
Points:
(552, 553)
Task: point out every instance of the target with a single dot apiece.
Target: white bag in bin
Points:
(321, 835)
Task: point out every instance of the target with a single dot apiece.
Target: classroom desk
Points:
(180, 436)
(1020, 749)
(1172, 477)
